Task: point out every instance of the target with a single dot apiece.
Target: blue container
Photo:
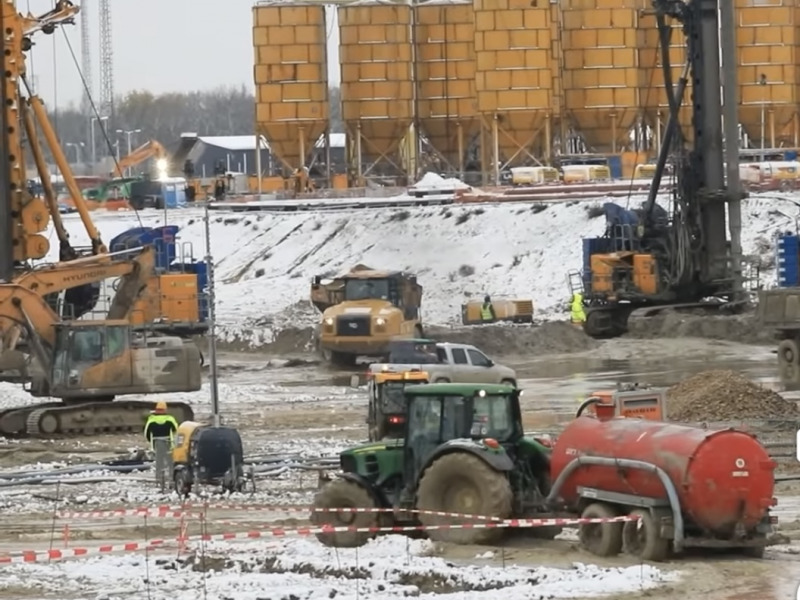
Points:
(788, 261)
(615, 166)
(790, 155)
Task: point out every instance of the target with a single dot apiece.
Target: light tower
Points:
(106, 62)
(86, 57)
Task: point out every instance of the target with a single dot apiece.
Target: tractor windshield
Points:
(491, 417)
(392, 398)
(366, 289)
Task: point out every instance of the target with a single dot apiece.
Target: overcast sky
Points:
(159, 45)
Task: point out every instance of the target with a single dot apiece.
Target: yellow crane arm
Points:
(147, 150)
(65, 275)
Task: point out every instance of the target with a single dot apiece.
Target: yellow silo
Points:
(600, 71)
(291, 78)
(653, 93)
(514, 80)
(768, 42)
(445, 55)
(377, 88)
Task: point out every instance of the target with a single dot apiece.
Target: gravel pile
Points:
(725, 396)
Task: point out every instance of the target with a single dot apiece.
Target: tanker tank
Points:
(724, 479)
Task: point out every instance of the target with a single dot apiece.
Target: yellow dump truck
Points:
(515, 311)
(363, 311)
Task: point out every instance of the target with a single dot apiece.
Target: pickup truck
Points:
(455, 363)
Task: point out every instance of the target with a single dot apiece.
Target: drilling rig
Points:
(55, 351)
(654, 259)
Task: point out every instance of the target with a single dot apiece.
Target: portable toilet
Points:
(174, 192)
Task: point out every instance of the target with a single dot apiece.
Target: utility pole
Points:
(730, 118)
(212, 329)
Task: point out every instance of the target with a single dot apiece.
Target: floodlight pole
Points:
(212, 330)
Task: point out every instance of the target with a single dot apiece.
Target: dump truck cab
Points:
(387, 402)
(463, 451)
(363, 311)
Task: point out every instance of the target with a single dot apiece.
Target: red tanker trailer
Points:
(692, 486)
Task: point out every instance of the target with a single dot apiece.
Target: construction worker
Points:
(576, 309)
(160, 424)
(487, 310)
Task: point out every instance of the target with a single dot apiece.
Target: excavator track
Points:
(83, 419)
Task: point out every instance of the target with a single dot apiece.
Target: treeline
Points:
(164, 117)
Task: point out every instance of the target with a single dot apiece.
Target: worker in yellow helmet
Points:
(160, 424)
(576, 309)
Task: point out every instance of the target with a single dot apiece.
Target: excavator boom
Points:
(151, 149)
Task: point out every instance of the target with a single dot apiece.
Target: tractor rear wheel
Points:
(463, 483)
(341, 493)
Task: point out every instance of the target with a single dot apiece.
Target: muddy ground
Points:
(285, 402)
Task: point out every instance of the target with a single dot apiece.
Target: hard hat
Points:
(161, 406)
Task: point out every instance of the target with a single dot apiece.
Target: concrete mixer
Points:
(692, 486)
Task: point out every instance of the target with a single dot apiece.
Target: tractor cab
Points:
(481, 419)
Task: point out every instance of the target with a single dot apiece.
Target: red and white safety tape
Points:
(43, 555)
(177, 511)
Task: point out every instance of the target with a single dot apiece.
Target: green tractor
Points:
(463, 451)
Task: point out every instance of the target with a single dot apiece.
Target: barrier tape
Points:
(177, 511)
(41, 555)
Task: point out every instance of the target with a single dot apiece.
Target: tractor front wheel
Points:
(341, 493)
(465, 484)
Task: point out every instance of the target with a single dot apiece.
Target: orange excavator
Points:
(150, 149)
(56, 351)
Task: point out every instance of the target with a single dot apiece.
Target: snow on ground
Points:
(389, 567)
(265, 261)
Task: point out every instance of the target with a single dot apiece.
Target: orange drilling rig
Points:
(50, 345)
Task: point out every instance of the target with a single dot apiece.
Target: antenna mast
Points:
(106, 62)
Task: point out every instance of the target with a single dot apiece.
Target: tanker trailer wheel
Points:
(601, 539)
(789, 362)
(341, 493)
(463, 483)
(642, 538)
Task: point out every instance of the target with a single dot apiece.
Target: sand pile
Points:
(725, 396)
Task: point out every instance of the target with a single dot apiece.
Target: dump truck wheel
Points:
(341, 493)
(463, 483)
(601, 539)
(642, 538)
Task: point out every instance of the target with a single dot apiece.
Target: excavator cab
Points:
(106, 358)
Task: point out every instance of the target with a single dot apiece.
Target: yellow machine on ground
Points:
(514, 311)
(43, 345)
(363, 311)
(207, 455)
(150, 149)
(387, 404)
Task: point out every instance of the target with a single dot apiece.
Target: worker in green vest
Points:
(576, 309)
(487, 310)
(160, 424)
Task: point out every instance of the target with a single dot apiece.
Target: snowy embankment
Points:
(265, 261)
(390, 567)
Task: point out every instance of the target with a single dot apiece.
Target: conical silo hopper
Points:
(601, 74)
(768, 41)
(291, 78)
(515, 71)
(445, 73)
(377, 90)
